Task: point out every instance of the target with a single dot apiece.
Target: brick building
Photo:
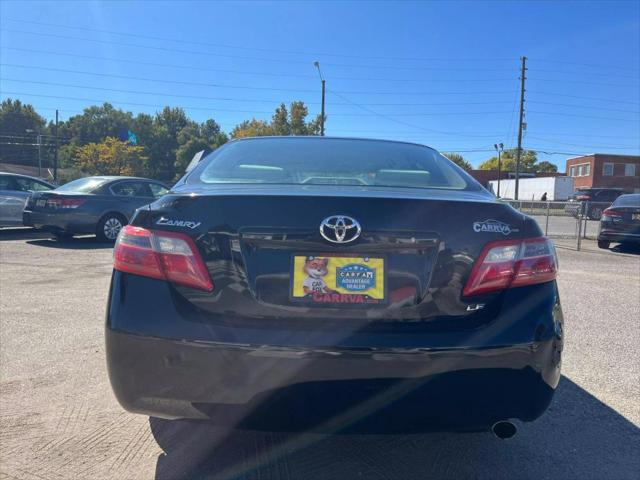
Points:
(605, 170)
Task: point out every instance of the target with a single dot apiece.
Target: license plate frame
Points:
(347, 280)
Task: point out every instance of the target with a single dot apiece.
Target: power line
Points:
(182, 82)
(236, 99)
(541, 150)
(558, 80)
(599, 66)
(288, 52)
(214, 109)
(207, 109)
(584, 106)
(599, 99)
(591, 74)
(155, 64)
(327, 54)
(607, 147)
(147, 79)
(211, 54)
(200, 97)
(395, 120)
(239, 72)
(579, 116)
(142, 92)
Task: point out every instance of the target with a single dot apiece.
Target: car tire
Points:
(109, 226)
(604, 244)
(595, 213)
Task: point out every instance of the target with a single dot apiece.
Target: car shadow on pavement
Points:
(578, 437)
(21, 233)
(80, 243)
(627, 248)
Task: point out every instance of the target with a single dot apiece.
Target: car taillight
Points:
(163, 255)
(609, 212)
(583, 198)
(65, 202)
(512, 263)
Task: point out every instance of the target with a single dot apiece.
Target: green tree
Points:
(528, 161)
(459, 160)
(293, 122)
(194, 138)
(163, 144)
(96, 123)
(280, 121)
(111, 157)
(298, 116)
(546, 167)
(19, 125)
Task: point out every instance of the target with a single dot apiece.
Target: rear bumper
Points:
(167, 359)
(286, 387)
(72, 222)
(611, 235)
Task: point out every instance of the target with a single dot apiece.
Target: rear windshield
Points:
(82, 185)
(628, 201)
(329, 161)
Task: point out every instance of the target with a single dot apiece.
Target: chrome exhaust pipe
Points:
(504, 429)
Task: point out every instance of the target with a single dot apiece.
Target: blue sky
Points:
(440, 73)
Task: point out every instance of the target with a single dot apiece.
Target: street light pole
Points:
(317, 65)
(499, 147)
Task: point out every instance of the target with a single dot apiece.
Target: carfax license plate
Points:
(41, 203)
(343, 280)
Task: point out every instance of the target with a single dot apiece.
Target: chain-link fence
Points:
(567, 223)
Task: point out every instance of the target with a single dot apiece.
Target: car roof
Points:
(111, 178)
(318, 137)
(26, 176)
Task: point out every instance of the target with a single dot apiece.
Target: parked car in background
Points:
(91, 205)
(595, 200)
(14, 192)
(306, 281)
(621, 221)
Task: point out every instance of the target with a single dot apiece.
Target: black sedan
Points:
(329, 283)
(91, 205)
(620, 222)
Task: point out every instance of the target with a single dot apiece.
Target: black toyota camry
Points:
(333, 283)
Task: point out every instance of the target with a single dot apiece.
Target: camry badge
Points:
(178, 223)
(340, 229)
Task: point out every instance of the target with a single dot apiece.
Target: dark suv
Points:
(595, 200)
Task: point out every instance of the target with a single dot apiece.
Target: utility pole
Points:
(523, 77)
(499, 147)
(39, 155)
(317, 64)
(55, 155)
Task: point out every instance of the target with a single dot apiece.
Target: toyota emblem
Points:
(340, 229)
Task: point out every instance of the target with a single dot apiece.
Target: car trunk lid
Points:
(255, 242)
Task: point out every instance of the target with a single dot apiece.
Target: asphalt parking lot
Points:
(59, 419)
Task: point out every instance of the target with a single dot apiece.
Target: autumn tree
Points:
(111, 157)
(528, 161)
(283, 122)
